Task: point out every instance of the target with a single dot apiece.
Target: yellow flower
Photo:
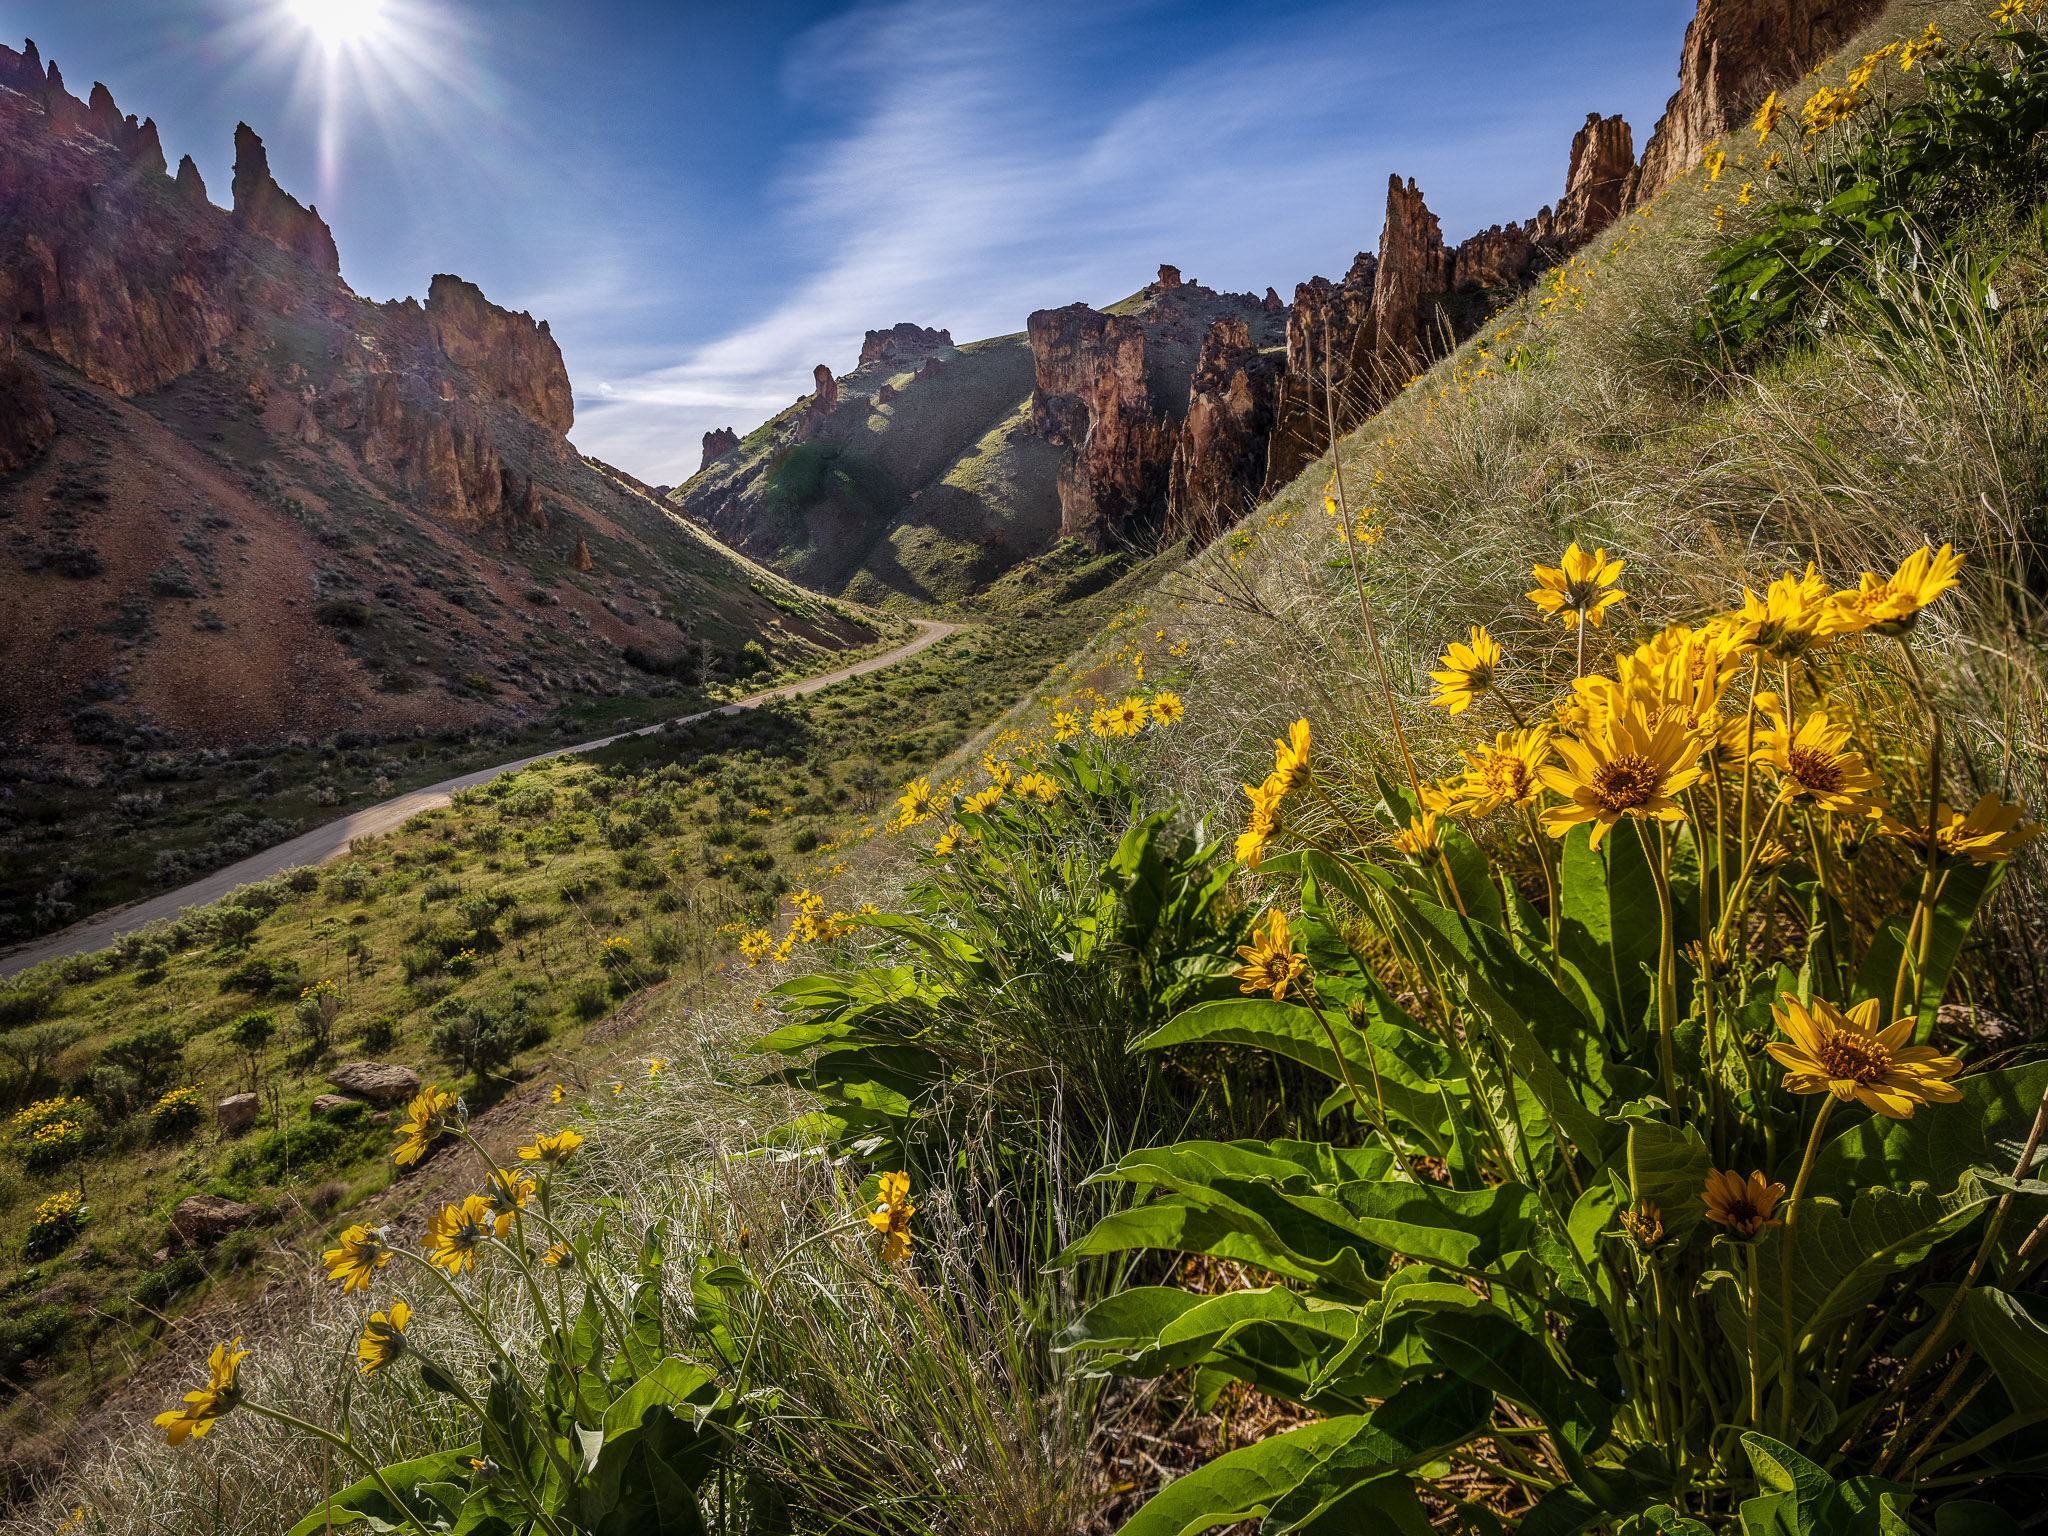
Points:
(454, 1235)
(1418, 837)
(1767, 117)
(1714, 163)
(1580, 587)
(1992, 830)
(1131, 716)
(981, 804)
(1066, 725)
(426, 1120)
(1817, 763)
(1632, 766)
(357, 1254)
(1827, 107)
(1270, 963)
(655, 1064)
(891, 1216)
(1742, 194)
(557, 1093)
(2010, 11)
(559, 1255)
(1743, 1206)
(553, 1150)
(1290, 760)
(1928, 44)
(948, 840)
(1795, 614)
(1506, 773)
(1468, 671)
(383, 1339)
(1846, 1054)
(1892, 606)
(507, 1194)
(1042, 787)
(1167, 708)
(1103, 723)
(1644, 1223)
(1251, 843)
(221, 1395)
(917, 804)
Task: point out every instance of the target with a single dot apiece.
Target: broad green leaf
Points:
(1127, 1319)
(1608, 922)
(672, 1384)
(1964, 890)
(364, 1502)
(1351, 1489)
(1942, 1142)
(1668, 1167)
(1243, 1484)
(2012, 1338)
(1799, 1499)
(1493, 1353)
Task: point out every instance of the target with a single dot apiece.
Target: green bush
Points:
(591, 1000)
(32, 1335)
(261, 976)
(151, 1055)
(157, 1289)
(482, 1040)
(309, 1148)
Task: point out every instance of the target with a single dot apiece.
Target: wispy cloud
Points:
(991, 159)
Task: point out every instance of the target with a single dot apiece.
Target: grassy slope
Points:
(732, 812)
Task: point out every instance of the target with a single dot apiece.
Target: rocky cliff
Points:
(208, 441)
(1736, 52)
(1219, 458)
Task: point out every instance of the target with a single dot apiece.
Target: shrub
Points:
(251, 1031)
(179, 1111)
(350, 882)
(150, 959)
(590, 1001)
(624, 832)
(29, 997)
(440, 888)
(482, 1040)
(35, 1333)
(53, 1144)
(379, 1034)
(302, 881)
(260, 976)
(297, 1152)
(150, 1054)
(34, 1050)
(157, 1289)
(234, 925)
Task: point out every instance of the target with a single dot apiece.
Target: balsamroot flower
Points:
(1167, 708)
(1506, 773)
(1644, 1224)
(383, 1340)
(1042, 787)
(1817, 762)
(1251, 842)
(917, 803)
(1066, 725)
(222, 1394)
(947, 840)
(507, 1195)
(1419, 838)
(1991, 831)
(1767, 117)
(1270, 962)
(1578, 589)
(1795, 614)
(553, 1150)
(891, 1216)
(1743, 1206)
(357, 1255)
(1290, 759)
(1892, 606)
(427, 1119)
(1634, 766)
(454, 1235)
(1468, 671)
(981, 803)
(1827, 1050)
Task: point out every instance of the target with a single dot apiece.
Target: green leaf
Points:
(1417, 1424)
(1973, 1517)
(1942, 1142)
(1799, 1499)
(1669, 1167)
(1493, 1353)
(673, 1384)
(1964, 891)
(1242, 1484)
(365, 1503)
(1608, 924)
(2013, 1340)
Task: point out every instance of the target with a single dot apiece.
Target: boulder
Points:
(237, 1112)
(901, 341)
(208, 1218)
(373, 1081)
(328, 1103)
(717, 444)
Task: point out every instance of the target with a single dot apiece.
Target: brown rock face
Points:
(1219, 461)
(201, 1219)
(1065, 346)
(1596, 179)
(1271, 302)
(825, 393)
(375, 1081)
(1500, 257)
(902, 341)
(507, 356)
(581, 558)
(1092, 395)
(264, 208)
(1327, 316)
(1736, 52)
(1412, 263)
(191, 185)
(719, 443)
(1169, 278)
(26, 425)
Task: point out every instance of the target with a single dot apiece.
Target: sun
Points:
(338, 25)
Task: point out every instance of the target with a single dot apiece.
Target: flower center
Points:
(1854, 1058)
(1626, 783)
(1819, 773)
(1507, 778)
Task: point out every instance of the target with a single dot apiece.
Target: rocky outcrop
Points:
(1065, 346)
(580, 556)
(1169, 278)
(1091, 394)
(1272, 302)
(1326, 317)
(236, 1113)
(720, 442)
(1219, 460)
(191, 185)
(900, 343)
(204, 1219)
(1596, 180)
(26, 425)
(1736, 52)
(825, 389)
(507, 355)
(264, 208)
(1501, 257)
(375, 1081)
(1413, 262)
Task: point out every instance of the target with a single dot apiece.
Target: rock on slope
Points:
(238, 500)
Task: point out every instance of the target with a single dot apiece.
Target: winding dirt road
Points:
(331, 839)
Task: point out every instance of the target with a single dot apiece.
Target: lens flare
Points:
(341, 24)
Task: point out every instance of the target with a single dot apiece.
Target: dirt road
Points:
(331, 839)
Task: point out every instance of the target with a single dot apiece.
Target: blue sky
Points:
(706, 200)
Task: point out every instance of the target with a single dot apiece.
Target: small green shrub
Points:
(261, 976)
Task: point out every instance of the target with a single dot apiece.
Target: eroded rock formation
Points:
(264, 208)
(1219, 460)
(26, 425)
(825, 389)
(1596, 180)
(508, 356)
(902, 341)
(718, 443)
(1412, 263)
(1736, 52)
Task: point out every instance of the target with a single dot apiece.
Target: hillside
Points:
(247, 510)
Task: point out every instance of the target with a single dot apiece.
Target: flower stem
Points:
(1789, 1342)
(1756, 1386)
(348, 1448)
